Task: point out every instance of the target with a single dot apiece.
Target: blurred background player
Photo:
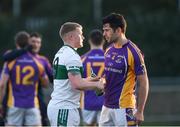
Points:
(1, 109)
(124, 67)
(34, 46)
(22, 76)
(93, 61)
(36, 41)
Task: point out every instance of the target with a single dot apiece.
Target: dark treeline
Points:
(153, 25)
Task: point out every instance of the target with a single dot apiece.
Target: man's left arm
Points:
(143, 82)
(142, 96)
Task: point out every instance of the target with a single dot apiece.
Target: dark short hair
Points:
(96, 37)
(36, 34)
(115, 20)
(68, 27)
(22, 38)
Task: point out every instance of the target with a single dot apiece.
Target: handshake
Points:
(99, 90)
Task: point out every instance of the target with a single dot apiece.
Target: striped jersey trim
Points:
(60, 71)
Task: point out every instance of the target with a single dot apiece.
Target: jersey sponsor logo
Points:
(116, 63)
(113, 70)
(115, 57)
(96, 57)
(25, 60)
(110, 64)
(119, 59)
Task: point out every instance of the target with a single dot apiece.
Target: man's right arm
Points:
(9, 56)
(80, 83)
(13, 54)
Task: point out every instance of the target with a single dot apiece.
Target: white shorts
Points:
(63, 117)
(90, 117)
(117, 117)
(22, 116)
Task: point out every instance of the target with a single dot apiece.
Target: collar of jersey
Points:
(71, 47)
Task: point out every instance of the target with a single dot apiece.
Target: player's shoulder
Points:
(26, 55)
(85, 54)
(132, 44)
(7, 51)
(27, 59)
(42, 57)
(108, 48)
(133, 47)
(66, 50)
(38, 61)
(67, 53)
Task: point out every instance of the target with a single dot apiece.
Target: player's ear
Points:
(119, 30)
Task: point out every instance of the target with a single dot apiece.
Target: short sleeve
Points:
(139, 65)
(74, 64)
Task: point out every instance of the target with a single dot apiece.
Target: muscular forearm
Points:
(85, 84)
(142, 92)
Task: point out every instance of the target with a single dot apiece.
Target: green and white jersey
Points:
(64, 96)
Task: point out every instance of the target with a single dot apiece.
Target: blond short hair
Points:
(68, 27)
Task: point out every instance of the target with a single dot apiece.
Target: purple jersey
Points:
(122, 65)
(46, 64)
(93, 60)
(24, 75)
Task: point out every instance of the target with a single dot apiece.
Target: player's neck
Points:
(96, 47)
(121, 41)
(69, 44)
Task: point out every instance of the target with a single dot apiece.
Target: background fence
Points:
(163, 104)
